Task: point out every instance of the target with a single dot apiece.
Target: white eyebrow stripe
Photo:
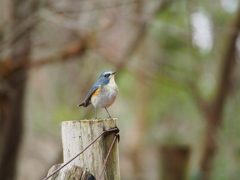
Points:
(107, 73)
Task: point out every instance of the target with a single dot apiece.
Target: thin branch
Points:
(74, 8)
(73, 49)
(142, 29)
(136, 40)
(9, 67)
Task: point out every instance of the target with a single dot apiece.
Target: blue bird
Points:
(103, 92)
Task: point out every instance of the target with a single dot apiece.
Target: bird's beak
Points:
(114, 72)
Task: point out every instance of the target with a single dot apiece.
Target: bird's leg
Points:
(95, 113)
(108, 113)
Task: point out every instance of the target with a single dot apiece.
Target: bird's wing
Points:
(87, 100)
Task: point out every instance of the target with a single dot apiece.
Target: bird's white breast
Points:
(106, 96)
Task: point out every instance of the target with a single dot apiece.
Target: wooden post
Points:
(70, 172)
(76, 135)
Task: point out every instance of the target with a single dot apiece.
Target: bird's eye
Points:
(106, 75)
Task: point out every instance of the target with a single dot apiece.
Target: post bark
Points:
(70, 172)
(76, 135)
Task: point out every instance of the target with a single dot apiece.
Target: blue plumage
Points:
(103, 93)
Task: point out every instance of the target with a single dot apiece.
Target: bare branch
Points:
(8, 66)
(73, 49)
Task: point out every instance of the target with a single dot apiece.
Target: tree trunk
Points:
(174, 162)
(13, 90)
(209, 145)
(214, 112)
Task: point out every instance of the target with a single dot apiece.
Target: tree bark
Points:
(13, 91)
(209, 146)
(174, 163)
(214, 113)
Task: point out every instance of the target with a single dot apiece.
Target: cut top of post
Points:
(93, 121)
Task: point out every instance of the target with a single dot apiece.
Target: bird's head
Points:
(106, 77)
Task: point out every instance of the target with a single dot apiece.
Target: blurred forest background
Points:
(178, 71)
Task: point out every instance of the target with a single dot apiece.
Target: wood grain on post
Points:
(76, 135)
(70, 172)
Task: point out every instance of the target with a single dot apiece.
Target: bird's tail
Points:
(81, 104)
(84, 104)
